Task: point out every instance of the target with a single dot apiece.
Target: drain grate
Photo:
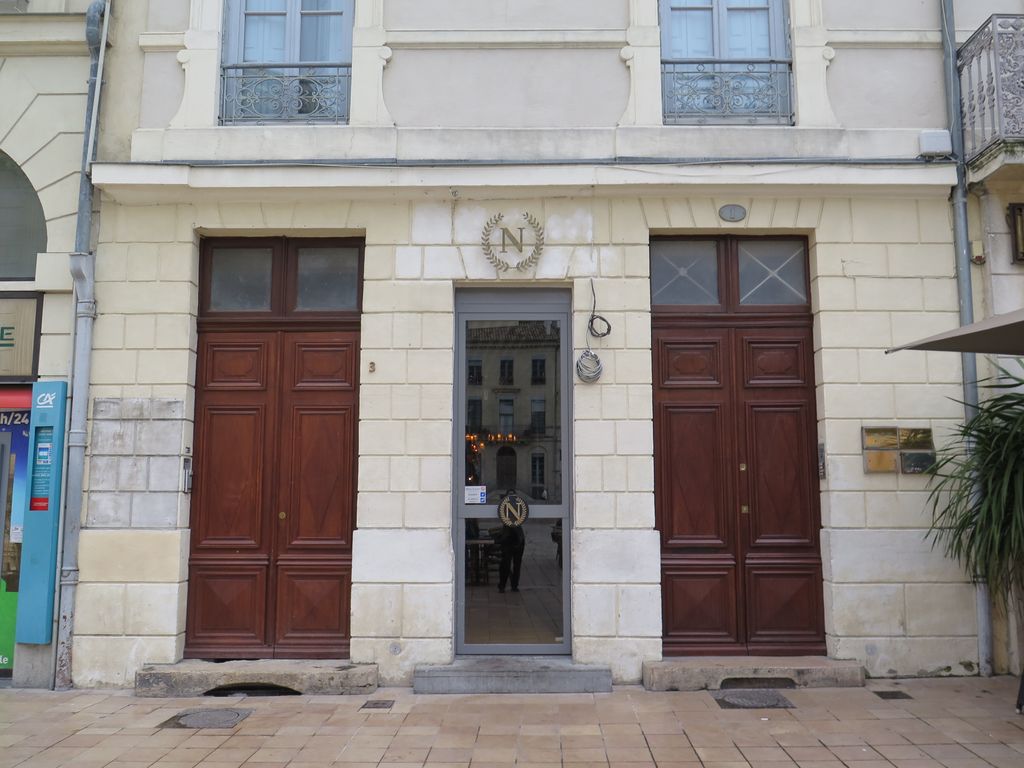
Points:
(207, 718)
(751, 699)
(892, 695)
(251, 689)
(379, 704)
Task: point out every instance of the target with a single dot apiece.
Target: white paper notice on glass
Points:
(476, 494)
(17, 534)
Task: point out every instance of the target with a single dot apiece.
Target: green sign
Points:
(8, 610)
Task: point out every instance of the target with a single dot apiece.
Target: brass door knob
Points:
(745, 510)
(281, 515)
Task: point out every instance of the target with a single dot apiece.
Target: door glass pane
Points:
(509, 418)
(240, 279)
(684, 272)
(264, 38)
(772, 272)
(327, 279)
(513, 578)
(691, 30)
(266, 6)
(320, 38)
(748, 31)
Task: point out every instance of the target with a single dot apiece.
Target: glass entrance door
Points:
(512, 444)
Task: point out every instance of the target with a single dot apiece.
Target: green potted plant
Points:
(977, 493)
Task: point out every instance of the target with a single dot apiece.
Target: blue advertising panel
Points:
(14, 417)
(41, 512)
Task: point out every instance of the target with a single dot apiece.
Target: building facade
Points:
(354, 261)
(44, 68)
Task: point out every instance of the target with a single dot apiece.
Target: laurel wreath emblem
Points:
(524, 264)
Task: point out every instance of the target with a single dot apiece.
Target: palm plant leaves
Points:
(977, 493)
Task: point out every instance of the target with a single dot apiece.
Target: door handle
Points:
(744, 510)
(281, 515)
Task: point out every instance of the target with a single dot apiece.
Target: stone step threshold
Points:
(512, 674)
(698, 673)
(196, 677)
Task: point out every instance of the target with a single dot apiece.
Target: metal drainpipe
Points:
(961, 242)
(83, 269)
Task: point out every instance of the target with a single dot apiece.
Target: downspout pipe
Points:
(962, 246)
(83, 273)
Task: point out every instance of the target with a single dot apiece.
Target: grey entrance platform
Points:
(697, 673)
(512, 674)
(194, 677)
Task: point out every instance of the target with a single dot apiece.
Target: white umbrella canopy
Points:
(998, 335)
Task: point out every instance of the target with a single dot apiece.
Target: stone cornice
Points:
(43, 34)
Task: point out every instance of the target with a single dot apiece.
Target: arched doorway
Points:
(22, 223)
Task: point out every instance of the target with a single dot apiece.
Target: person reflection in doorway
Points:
(513, 544)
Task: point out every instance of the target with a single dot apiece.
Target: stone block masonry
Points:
(417, 255)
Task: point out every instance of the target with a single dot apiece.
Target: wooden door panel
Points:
(779, 475)
(318, 475)
(735, 484)
(322, 364)
(229, 487)
(275, 434)
(694, 483)
(313, 608)
(774, 361)
(237, 362)
(226, 607)
(700, 602)
(691, 363)
(785, 605)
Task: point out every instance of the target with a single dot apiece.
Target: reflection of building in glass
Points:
(513, 433)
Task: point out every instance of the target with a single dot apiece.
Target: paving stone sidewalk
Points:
(950, 723)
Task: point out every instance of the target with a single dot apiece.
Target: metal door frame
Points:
(512, 304)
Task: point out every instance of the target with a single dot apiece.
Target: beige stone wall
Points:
(134, 542)
(44, 65)
(865, 81)
(882, 273)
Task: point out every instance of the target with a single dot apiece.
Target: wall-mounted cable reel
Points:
(589, 367)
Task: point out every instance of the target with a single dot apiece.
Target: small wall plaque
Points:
(732, 213)
(910, 450)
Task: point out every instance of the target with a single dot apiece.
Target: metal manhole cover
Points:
(379, 704)
(892, 695)
(751, 699)
(207, 718)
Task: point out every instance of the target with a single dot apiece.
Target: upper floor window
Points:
(287, 60)
(506, 372)
(725, 61)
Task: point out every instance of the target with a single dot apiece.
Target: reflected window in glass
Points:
(506, 414)
(475, 372)
(538, 371)
(474, 414)
(538, 415)
(506, 372)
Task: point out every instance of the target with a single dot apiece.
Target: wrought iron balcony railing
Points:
(274, 93)
(991, 65)
(744, 91)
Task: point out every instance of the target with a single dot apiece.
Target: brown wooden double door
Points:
(273, 499)
(736, 488)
